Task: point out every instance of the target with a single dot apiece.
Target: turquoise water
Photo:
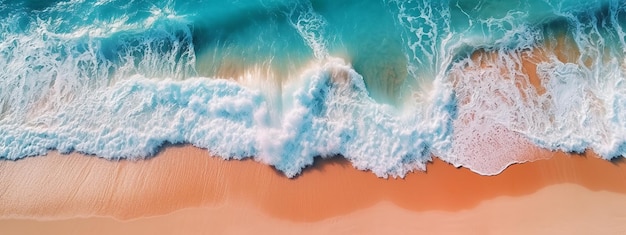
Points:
(385, 84)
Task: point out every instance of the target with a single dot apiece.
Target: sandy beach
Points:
(187, 188)
(389, 85)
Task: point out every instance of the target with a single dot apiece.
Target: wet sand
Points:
(557, 209)
(58, 188)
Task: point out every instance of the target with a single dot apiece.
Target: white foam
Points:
(310, 25)
(331, 114)
(582, 112)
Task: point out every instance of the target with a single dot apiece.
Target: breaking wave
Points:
(386, 84)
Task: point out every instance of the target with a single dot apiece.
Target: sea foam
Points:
(309, 79)
(331, 115)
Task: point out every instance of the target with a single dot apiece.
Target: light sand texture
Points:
(557, 209)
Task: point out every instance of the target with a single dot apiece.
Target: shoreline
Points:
(77, 185)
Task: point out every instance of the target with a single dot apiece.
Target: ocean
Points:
(386, 84)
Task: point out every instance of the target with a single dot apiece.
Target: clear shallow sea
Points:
(385, 84)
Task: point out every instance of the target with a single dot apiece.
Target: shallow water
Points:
(385, 84)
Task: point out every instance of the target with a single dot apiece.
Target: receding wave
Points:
(386, 84)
